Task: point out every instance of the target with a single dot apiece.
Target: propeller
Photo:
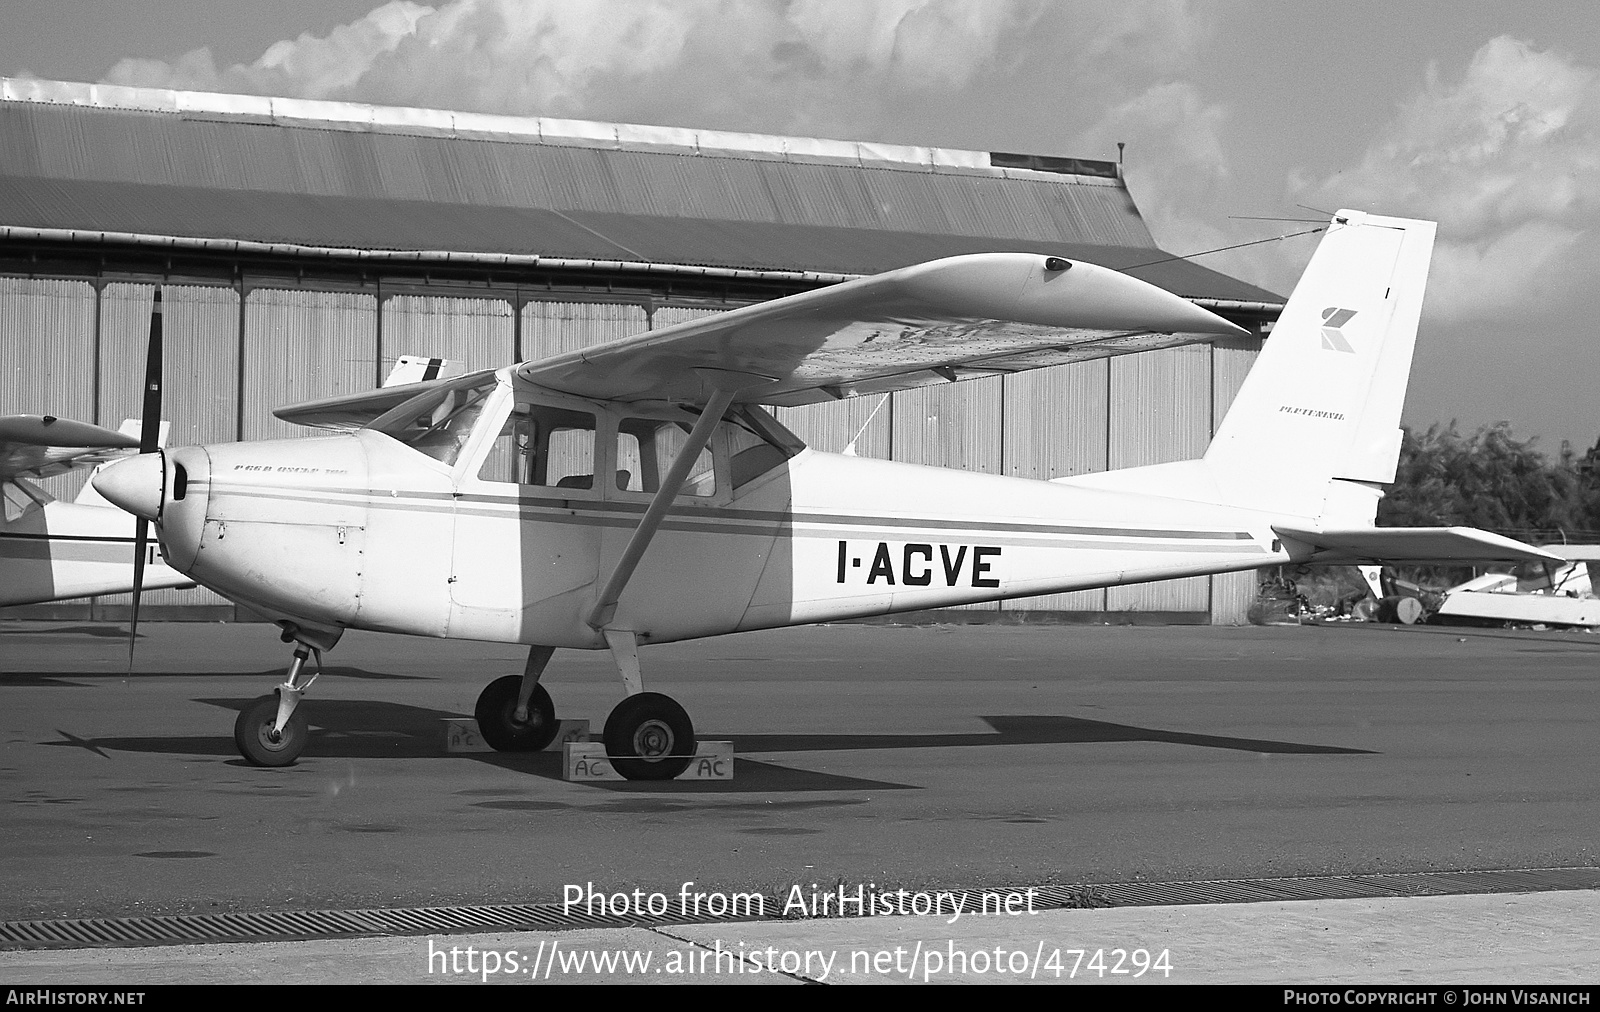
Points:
(149, 440)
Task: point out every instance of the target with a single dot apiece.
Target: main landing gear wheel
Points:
(649, 737)
(259, 743)
(497, 721)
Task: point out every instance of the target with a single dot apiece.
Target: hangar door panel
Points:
(475, 332)
(302, 345)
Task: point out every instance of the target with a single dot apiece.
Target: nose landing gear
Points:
(272, 731)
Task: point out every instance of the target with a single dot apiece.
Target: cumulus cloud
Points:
(600, 57)
(1507, 160)
(827, 67)
(307, 67)
(1177, 167)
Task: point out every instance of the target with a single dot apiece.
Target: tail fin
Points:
(1323, 400)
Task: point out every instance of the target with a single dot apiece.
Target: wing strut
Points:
(605, 605)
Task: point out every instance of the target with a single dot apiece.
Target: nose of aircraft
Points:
(134, 484)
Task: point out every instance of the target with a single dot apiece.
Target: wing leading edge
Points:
(935, 322)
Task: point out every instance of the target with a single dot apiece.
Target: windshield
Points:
(438, 422)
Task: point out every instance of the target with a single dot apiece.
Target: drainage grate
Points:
(187, 929)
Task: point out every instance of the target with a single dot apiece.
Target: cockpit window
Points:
(437, 422)
(543, 445)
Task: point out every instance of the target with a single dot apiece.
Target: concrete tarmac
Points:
(951, 756)
(1531, 939)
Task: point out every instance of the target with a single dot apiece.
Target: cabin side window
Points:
(646, 448)
(756, 444)
(543, 445)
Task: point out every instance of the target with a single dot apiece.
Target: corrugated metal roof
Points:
(789, 204)
(369, 224)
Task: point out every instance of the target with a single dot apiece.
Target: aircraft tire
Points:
(504, 733)
(649, 736)
(252, 733)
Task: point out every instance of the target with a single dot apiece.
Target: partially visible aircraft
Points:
(637, 492)
(52, 550)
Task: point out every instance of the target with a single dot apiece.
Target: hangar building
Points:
(302, 246)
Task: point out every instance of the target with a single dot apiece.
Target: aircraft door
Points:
(527, 531)
(702, 567)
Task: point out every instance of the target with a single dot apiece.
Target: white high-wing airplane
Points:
(637, 493)
(52, 550)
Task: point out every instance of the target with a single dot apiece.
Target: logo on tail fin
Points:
(1334, 318)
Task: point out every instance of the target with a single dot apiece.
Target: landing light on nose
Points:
(133, 484)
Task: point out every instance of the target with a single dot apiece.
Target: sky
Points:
(1483, 116)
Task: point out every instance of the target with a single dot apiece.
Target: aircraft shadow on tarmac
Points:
(363, 729)
(81, 679)
(43, 631)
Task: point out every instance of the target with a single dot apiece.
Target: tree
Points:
(1489, 480)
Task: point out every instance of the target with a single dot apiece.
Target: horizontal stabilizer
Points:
(421, 368)
(1413, 544)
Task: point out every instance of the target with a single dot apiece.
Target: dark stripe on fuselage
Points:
(62, 537)
(689, 517)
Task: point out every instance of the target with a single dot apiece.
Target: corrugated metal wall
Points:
(477, 332)
(832, 426)
(298, 344)
(47, 336)
(951, 425)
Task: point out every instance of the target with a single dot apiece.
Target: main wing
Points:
(945, 320)
(39, 446)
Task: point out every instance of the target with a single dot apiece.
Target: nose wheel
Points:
(261, 741)
(272, 731)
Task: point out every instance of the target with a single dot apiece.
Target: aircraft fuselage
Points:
(362, 531)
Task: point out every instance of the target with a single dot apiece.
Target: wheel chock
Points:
(461, 735)
(586, 760)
